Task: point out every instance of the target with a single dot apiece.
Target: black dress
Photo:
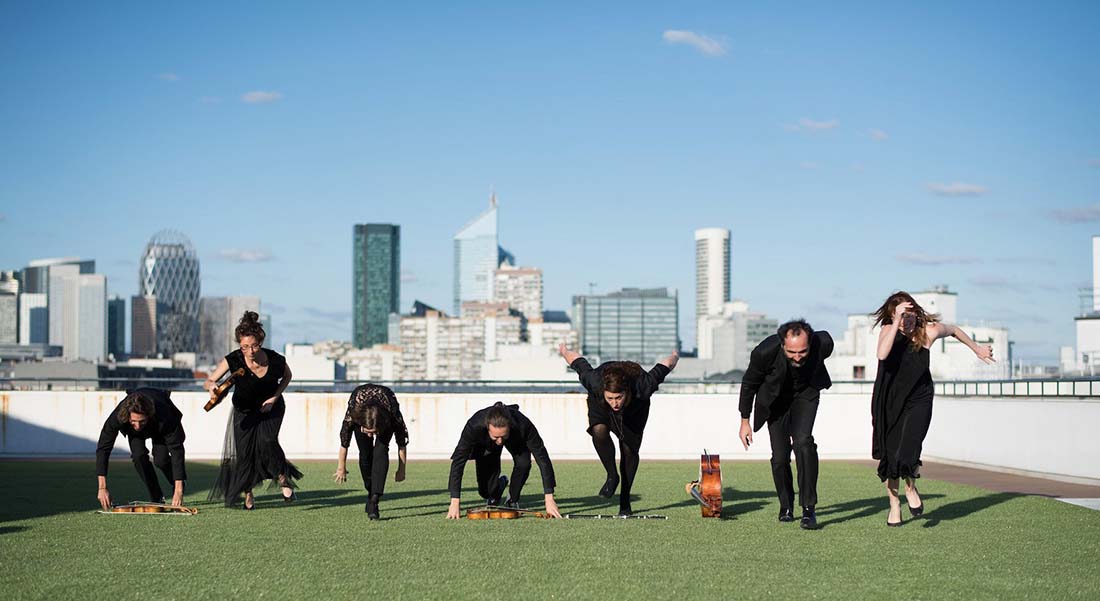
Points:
(901, 410)
(252, 452)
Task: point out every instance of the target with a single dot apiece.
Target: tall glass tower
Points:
(169, 271)
(376, 281)
(477, 256)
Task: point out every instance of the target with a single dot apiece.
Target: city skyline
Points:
(824, 141)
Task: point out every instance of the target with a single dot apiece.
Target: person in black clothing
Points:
(146, 413)
(901, 402)
(374, 417)
(486, 434)
(618, 402)
(252, 453)
(786, 375)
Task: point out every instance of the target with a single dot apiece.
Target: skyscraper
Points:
(521, 289)
(169, 271)
(143, 326)
(633, 324)
(36, 275)
(712, 271)
(477, 255)
(9, 307)
(218, 318)
(116, 326)
(78, 313)
(34, 319)
(376, 281)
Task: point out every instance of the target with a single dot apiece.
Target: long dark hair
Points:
(371, 417)
(250, 326)
(885, 316)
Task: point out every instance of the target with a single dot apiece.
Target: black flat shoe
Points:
(809, 519)
(917, 511)
(293, 497)
(893, 524)
(786, 515)
(609, 487)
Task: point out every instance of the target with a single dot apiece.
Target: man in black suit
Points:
(487, 433)
(146, 413)
(786, 375)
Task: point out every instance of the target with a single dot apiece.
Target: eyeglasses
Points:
(250, 347)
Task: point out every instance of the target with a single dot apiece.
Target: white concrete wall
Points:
(1045, 436)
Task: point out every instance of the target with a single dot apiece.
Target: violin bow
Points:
(582, 516)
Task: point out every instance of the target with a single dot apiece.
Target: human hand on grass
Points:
(454, 511)
(104, 499)
(341, 475)
(552, 506)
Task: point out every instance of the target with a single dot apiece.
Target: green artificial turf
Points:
(971, 543)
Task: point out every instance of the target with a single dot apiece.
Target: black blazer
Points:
(165, 427)
(768, 370)
(474, 442)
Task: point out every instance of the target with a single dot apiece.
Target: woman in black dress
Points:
(252, 453)
(374, 417)
(618, 403)
(901, 404)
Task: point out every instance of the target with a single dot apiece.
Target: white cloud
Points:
(809, 125)
(877, 134)
(923, 259)
(1076, 214)
(169, 77)
(703, 43)
(957, 189)
(235, 255)
(261, 96)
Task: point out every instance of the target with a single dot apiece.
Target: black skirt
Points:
(252, 454)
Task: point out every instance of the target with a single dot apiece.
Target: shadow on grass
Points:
(961, 509)
(12, 529)
(45, 488)
(862, 508)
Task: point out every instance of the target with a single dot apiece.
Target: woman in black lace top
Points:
(373, 417)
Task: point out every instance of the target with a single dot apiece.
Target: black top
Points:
(475, 442)
(250, 391)
(165, 427)
(645, 384)
(770, 375)
(903, 372)
(380, 396)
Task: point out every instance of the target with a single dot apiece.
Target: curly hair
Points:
(135, 402)
(250, 326)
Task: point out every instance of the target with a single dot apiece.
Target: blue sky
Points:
(853, 149)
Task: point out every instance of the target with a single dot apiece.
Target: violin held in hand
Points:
(219, 391)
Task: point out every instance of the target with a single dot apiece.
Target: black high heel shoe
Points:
(894, 524)
(293, 497)
(918, 510)
(245, 506)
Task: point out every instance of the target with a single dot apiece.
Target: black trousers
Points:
(791, 427)
(161, 458)
(374, 460)
(488, 474)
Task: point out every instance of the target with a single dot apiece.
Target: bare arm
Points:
(890, 331)
(670, 361)
(212, 379)
(984, 352)
(568, 355)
